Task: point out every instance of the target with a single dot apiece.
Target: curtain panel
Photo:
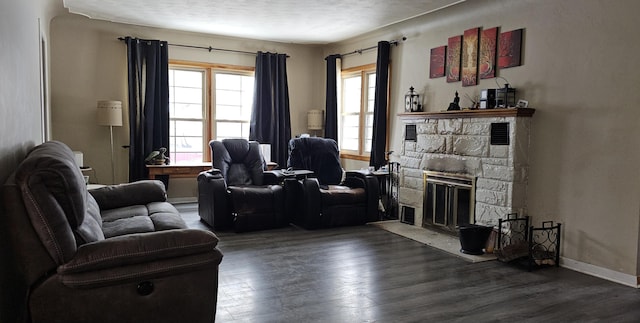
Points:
(379, 139)
(148, 76)
(331, 108)
(270, 118)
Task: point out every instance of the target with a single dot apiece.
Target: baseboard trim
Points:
(600, 272)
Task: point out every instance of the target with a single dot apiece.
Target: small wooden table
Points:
(298, 174)
(178, 171)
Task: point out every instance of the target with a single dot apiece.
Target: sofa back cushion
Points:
(54, 193)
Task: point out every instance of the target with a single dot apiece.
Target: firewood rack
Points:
(518, 242)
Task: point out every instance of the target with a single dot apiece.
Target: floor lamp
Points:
(110, 114)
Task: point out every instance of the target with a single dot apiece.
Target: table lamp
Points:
(315, 120)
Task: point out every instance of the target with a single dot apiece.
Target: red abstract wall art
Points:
(470, 57)
(437, 62)
(510, 48)
(453, 59)
(488, 48)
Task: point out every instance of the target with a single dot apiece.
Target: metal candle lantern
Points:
(412, 101)
(506, 96)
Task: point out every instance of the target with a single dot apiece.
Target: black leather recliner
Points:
(238, 192)
(328, 200)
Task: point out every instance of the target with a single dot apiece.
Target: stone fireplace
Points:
(489, 147)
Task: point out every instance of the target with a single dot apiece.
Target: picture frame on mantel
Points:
(454, 51)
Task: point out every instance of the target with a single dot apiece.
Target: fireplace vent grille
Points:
(500, 133)
(410, 133)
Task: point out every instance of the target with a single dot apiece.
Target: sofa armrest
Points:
(369, 182)
(354, 178)
(139, 248)
(135, 193)
(303, 201)
(213, 204)
(272, 177)
(137, 256)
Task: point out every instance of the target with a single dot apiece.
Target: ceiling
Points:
(290, 21)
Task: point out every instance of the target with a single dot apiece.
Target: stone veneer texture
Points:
(462, 145)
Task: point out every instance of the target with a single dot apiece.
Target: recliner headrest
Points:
(320, 155)
(239, 161)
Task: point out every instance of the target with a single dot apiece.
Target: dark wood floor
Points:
(366, 274)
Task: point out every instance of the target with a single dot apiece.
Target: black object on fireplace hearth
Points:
(473, 238)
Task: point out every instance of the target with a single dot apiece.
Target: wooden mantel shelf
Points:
(484, 113)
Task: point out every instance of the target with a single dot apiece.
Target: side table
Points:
(388, 181)
(94, 186)
(298, 174)
(177, 171)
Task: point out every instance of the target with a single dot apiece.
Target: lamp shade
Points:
(109, 113)
(79, 158)
(265, 149)
(315, 119)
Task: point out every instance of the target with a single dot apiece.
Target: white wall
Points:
(579, 73)
(90, 65)
(23, 24)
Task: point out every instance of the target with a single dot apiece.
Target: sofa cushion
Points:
(135, 193)
(164, 219)
(155, 216)
(91, 229)
(337, 195)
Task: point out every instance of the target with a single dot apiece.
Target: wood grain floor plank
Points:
(366, 274)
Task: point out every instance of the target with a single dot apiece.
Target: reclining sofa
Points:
(116, 254)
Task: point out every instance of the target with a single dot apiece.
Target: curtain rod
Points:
(202, 47)
(359, 51)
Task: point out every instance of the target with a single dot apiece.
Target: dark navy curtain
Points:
(270, 119)
(331, 109)
(148, 74)
(379, 140)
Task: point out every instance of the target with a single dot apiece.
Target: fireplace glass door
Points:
(449, 200)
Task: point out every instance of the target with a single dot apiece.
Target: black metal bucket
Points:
(473, 238)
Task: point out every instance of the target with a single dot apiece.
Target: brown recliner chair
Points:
(58, 266)
(328, 199)
(238, 192)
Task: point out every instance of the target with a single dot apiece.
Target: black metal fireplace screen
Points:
(535, 247)
(449, 200)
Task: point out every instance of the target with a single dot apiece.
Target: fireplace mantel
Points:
(484, 113)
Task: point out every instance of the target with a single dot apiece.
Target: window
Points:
(186, 115)
(356, 111)
(207, 102)
(233, 100)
